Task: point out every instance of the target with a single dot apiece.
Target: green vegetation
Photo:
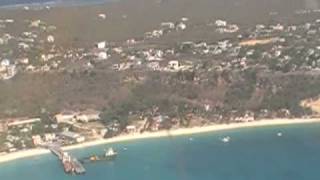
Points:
(292, 90)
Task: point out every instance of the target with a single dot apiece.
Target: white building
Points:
(89, 115)
(181, 26)
(184, 19)
(23, 45)
(103, 55)
(65, 117)
(174, 65)
(5, 62)
(103, 132)
(9, 21)
(50, 39)
(102, 16)
(221, 23)
(169, 25)
(49, 137)
(131, 129)
(157, 33)
(278, 27)
(73, 136)
(154, 66)
(101, 45)
(35, 23)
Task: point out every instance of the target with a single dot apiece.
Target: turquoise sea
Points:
(252, 154)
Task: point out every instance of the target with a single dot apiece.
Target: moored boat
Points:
(226, 139)
(109, 155)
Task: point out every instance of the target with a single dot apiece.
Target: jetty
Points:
(71, 165)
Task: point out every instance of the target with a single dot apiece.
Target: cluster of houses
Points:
(19, 131)
(236, 53)
(15, 130)
(307, 11)
(149, 58)
(275, 46)
(69, 127)
(26, 51)
(223, 26)
(167, 27)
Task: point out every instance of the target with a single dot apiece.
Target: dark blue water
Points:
(252, 154)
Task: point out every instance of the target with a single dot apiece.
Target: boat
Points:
(109, 155)
(226, 139)
(279, 134)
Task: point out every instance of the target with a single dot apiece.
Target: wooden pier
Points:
(70, 164)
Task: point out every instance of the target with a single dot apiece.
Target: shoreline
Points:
(149, 135)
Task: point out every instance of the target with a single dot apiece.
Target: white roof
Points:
(70, 134)
(5, 62)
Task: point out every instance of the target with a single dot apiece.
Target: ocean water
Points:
(252, 154)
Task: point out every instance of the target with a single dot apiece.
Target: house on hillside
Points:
(174, 65)
(181, 26)
(102, 55)
(50, 39)
(220, 23)
(101, 45)
(168, 25)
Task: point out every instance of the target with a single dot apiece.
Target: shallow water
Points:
(256, 153)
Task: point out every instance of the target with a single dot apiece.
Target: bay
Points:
(252, 153)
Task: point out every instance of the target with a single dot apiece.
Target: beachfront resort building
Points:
(22, 121)
(70, 117)
(72, 136)
(65, 117)
(88, 115)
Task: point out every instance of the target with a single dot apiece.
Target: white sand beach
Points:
(177, 132)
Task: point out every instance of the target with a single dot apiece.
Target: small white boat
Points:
(110, 153)
(279, 134)
(226, 139)
(190, 139)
